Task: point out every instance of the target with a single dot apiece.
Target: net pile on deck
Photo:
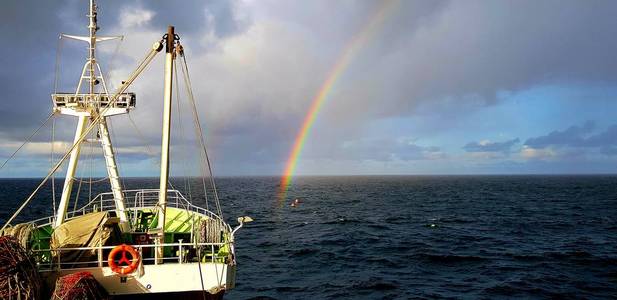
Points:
(21, 232)
(78, 286)
(19, 278)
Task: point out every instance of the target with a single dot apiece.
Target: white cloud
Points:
(135, 16)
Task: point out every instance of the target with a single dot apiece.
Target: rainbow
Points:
(358, 41)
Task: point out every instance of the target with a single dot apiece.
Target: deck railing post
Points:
(156, 253)
(100, 252)
(59, 261)
(180, 250)
(141, 254)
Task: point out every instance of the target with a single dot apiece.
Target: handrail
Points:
(135, 200)
(142, 198)
(135, 246)
(214, 256)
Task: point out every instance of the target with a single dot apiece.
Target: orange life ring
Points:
(131, 265)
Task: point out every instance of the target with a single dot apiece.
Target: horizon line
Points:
(358, 175)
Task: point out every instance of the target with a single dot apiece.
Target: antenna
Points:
(93, 27)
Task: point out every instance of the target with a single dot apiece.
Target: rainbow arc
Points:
(369, 31)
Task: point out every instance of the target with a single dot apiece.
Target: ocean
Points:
(407, 237)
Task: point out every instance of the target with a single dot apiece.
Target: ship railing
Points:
(181, 252)
(134, 200)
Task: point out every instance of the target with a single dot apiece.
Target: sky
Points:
(433, 87)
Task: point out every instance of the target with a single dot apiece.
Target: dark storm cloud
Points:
(31, 28)
(480, 48)
(30, 32)
(425, 52)
(503, 147)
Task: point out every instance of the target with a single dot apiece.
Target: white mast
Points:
(86, 107)
(169, 64)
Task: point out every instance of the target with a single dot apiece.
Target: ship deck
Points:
(196, 243)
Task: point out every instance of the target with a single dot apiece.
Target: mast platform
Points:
(81, 104)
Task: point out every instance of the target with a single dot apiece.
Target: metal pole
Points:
(70, 172)
(92, 26)
(83, 119)
(162, 205)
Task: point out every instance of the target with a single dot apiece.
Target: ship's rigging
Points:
(161, 229)
(86, 134)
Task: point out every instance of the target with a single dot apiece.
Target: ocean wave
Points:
(450, 258)
(375, 284)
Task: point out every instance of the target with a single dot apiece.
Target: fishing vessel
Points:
(138, 242)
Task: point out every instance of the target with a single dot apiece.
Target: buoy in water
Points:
(295, 203)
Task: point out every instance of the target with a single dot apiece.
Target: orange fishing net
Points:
(78, 286)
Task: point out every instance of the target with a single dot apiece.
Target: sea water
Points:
(402, 237)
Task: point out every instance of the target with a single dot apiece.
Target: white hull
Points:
(163, 278)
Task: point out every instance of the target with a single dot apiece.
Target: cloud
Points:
(474, 48)
(135, 17)
(256, 66)
(382, 149)
(33, 148)
(577, 145)
(607, 138)
(610, 151)
(578, 137)
(488, 146)
(572, 136)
